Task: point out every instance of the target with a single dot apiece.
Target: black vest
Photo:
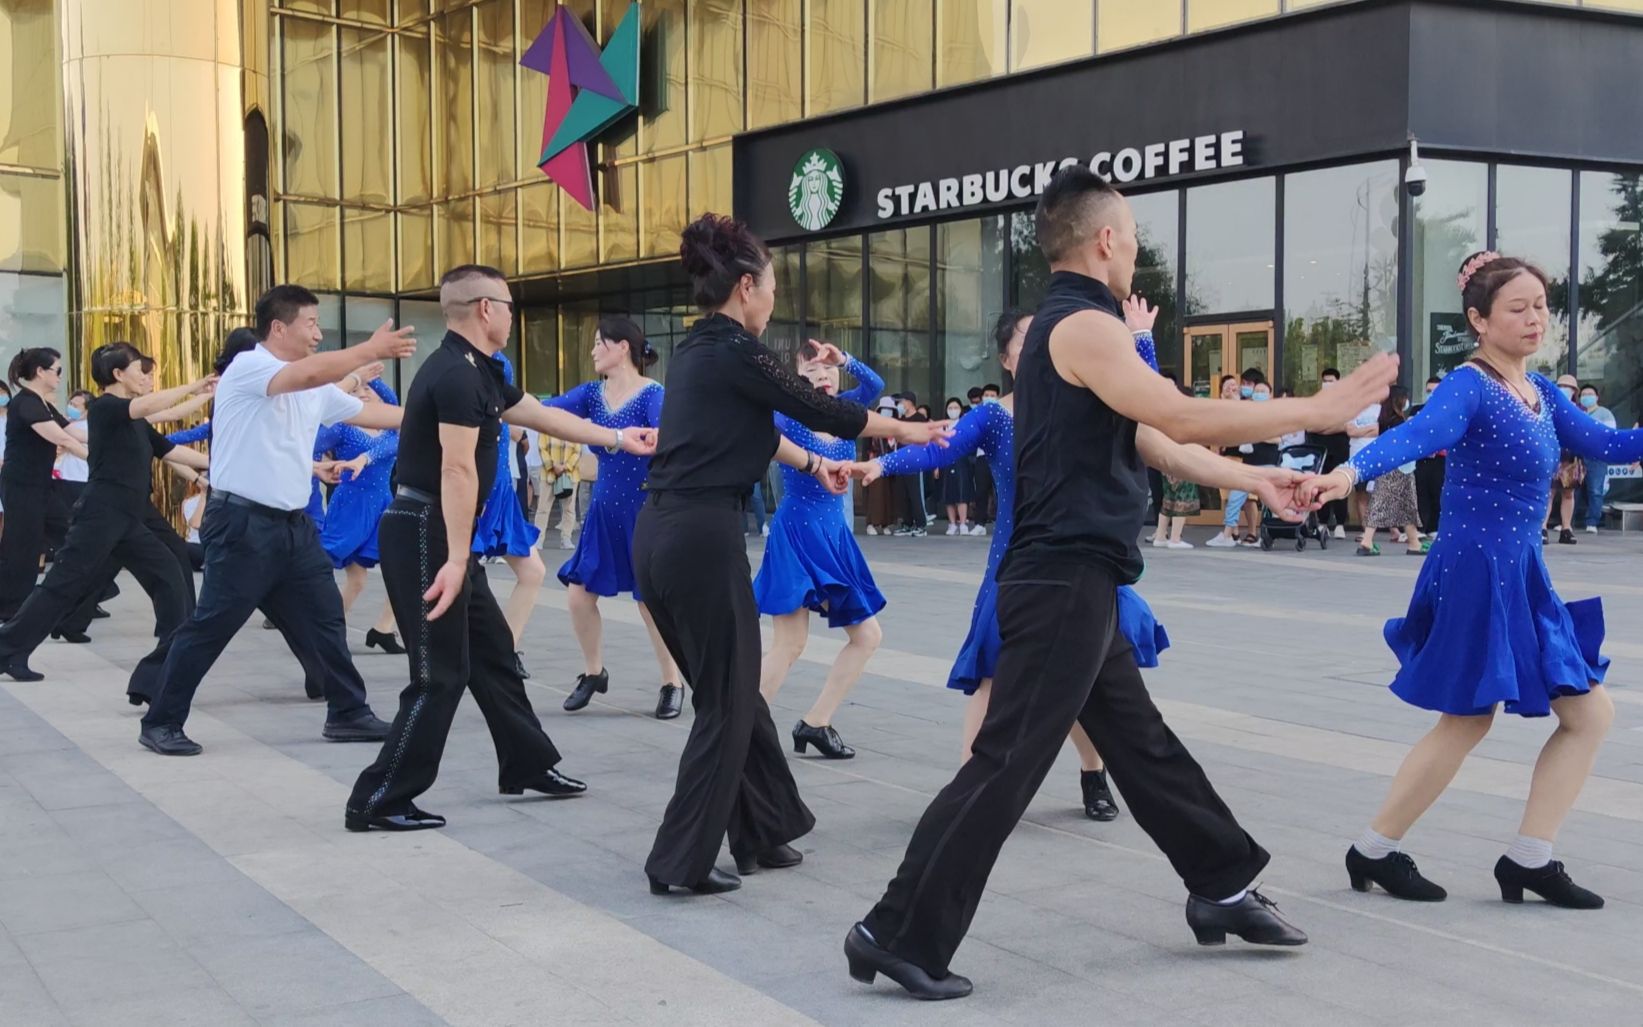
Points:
(1081, 488)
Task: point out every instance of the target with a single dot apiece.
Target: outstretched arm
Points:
(180, 410)
(1441, 423)
(562, 424)
(967, 431)
(1584, 435)
(1274, 485)
(188, 436)
(575, 401)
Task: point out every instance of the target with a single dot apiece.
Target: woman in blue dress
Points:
(991, 428)
(813, 562)
(364, 463)
(1484, 627)
(602, 564)
(503, 533)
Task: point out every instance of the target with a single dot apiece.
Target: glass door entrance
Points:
(1212, 351)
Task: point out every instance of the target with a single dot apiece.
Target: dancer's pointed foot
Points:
(586, 686)
(1551, 882)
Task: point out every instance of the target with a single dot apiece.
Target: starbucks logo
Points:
(816, 190)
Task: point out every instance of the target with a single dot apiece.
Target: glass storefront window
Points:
(836, 35)
(580, 322)
(416, 125)
(970, 40)
(1449, 226)
(498, 245)
(330, 321)
(416, 248)
(1340, 269)
(1611, 290)
(1210, 14)
(715, 68)
(367, 117)
(775, 62)
(1030, 272)
(898, 264)
(903, 60)
(309, 130)
(833, 293)
(539, 341)
(367, 247)
(454, 228)
(782, 334)
(969, 283)
(311, 246)
(1121, 24)
(429, 322)
(363, 315)
(1157, 263)
(1050, 31)
(1532, 222)
(32, 313)
(538, 228)
(1230, 259)
(496, 68)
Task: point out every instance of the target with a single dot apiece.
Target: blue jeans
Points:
(755, 506)
(1235, 506)
(1597, 485)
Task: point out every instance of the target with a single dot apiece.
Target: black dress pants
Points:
(1429, 491)
(912, 499)
(99, 535)
(81, 617)
(34, 512)
(691, 564)
(1062, 660)
(469, 647)
(258, 557)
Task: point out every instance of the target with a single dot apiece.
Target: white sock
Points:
(1376, 846)
(1530, 853)
(1234, 900)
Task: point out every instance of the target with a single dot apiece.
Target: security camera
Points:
(1414, 179)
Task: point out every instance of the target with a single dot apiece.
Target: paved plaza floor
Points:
(223, 889)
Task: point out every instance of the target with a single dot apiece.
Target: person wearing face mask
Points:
(1429, 476)
(1569, 479)
(602, 565)
(1392, 504)
(957, 482)
(1241, 519)
(984, 511)
(813, 563)
(1597, 472)
(72, 469)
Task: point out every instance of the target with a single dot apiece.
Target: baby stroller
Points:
(1307, 460)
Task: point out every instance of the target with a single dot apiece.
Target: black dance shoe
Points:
(714, 883)
(519, 665)
(17, 668)
(1098, 801)
(669, 702)
(365, 727)
(1551, 882)
(412, 819)
(550, 783)
(387, 641)
(778, 858)
(1254, 918)
(867, 960)
(98, 613)
(72, 637)
(169, 740)
(1395, 872)
(824, 738)
(586, 685)
(1565, 537)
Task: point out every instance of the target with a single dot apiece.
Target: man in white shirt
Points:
(261, 549)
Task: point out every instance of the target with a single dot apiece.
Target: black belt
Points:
(416, 495)
(733, 499)
(233, 499)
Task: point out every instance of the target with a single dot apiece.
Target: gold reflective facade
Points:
(359, 147)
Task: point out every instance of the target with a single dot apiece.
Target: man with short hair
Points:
(454, 414)
(915, 519)
(1090, 416)
(1337, 447)
(261, 548)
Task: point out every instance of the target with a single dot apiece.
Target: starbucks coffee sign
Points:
(816, 189)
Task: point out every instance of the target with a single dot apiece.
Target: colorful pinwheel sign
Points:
(588, 91)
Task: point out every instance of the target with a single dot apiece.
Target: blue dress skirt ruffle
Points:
(502, 529)
(1523, 646)
(978, 657)
(603, 561)
(349, 529)
(814, 562)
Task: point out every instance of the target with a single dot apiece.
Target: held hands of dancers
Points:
(868, 471)
(1285, 492)
(1326, 488)
(834, 475)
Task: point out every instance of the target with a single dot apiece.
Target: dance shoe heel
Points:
(587, 685)
(867, 960)
(1254, 918)
(716, 882)
(778, 858)
(1551, 882)
(387, 641)
(824, 738)
(1395, 872)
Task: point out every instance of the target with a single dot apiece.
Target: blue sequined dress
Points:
(812, 559)
(502, 529)
(1484, 625)
(991, 428)
(350, 532)
(603, 561)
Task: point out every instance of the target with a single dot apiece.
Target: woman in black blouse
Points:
(34, 431)
(716, 437)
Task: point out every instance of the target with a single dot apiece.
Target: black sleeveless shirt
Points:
(1081, 488)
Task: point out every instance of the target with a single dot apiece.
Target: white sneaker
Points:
(1591, 529)
(1160, 543)
(978, 529)
(1181, 545)
(764, 532)
(872, 530)
(1222, 541)
(1340, 531)
(952, 529)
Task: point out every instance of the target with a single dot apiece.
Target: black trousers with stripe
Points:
(1063, 660)
(469, 647)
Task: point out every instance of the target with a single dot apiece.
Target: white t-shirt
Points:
(69, 466)
(533, 449)
(262, 446)
(1368, 419)
(191, 504)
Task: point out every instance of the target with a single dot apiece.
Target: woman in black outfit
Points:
(35, 510)
(717, 435)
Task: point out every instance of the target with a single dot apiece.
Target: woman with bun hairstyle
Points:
(717, 435)
(1485, 627)
(35, 430)
(602, 564)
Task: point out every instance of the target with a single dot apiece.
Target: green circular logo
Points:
(817, 189)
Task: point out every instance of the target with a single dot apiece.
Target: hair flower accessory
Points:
(1473, 266)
